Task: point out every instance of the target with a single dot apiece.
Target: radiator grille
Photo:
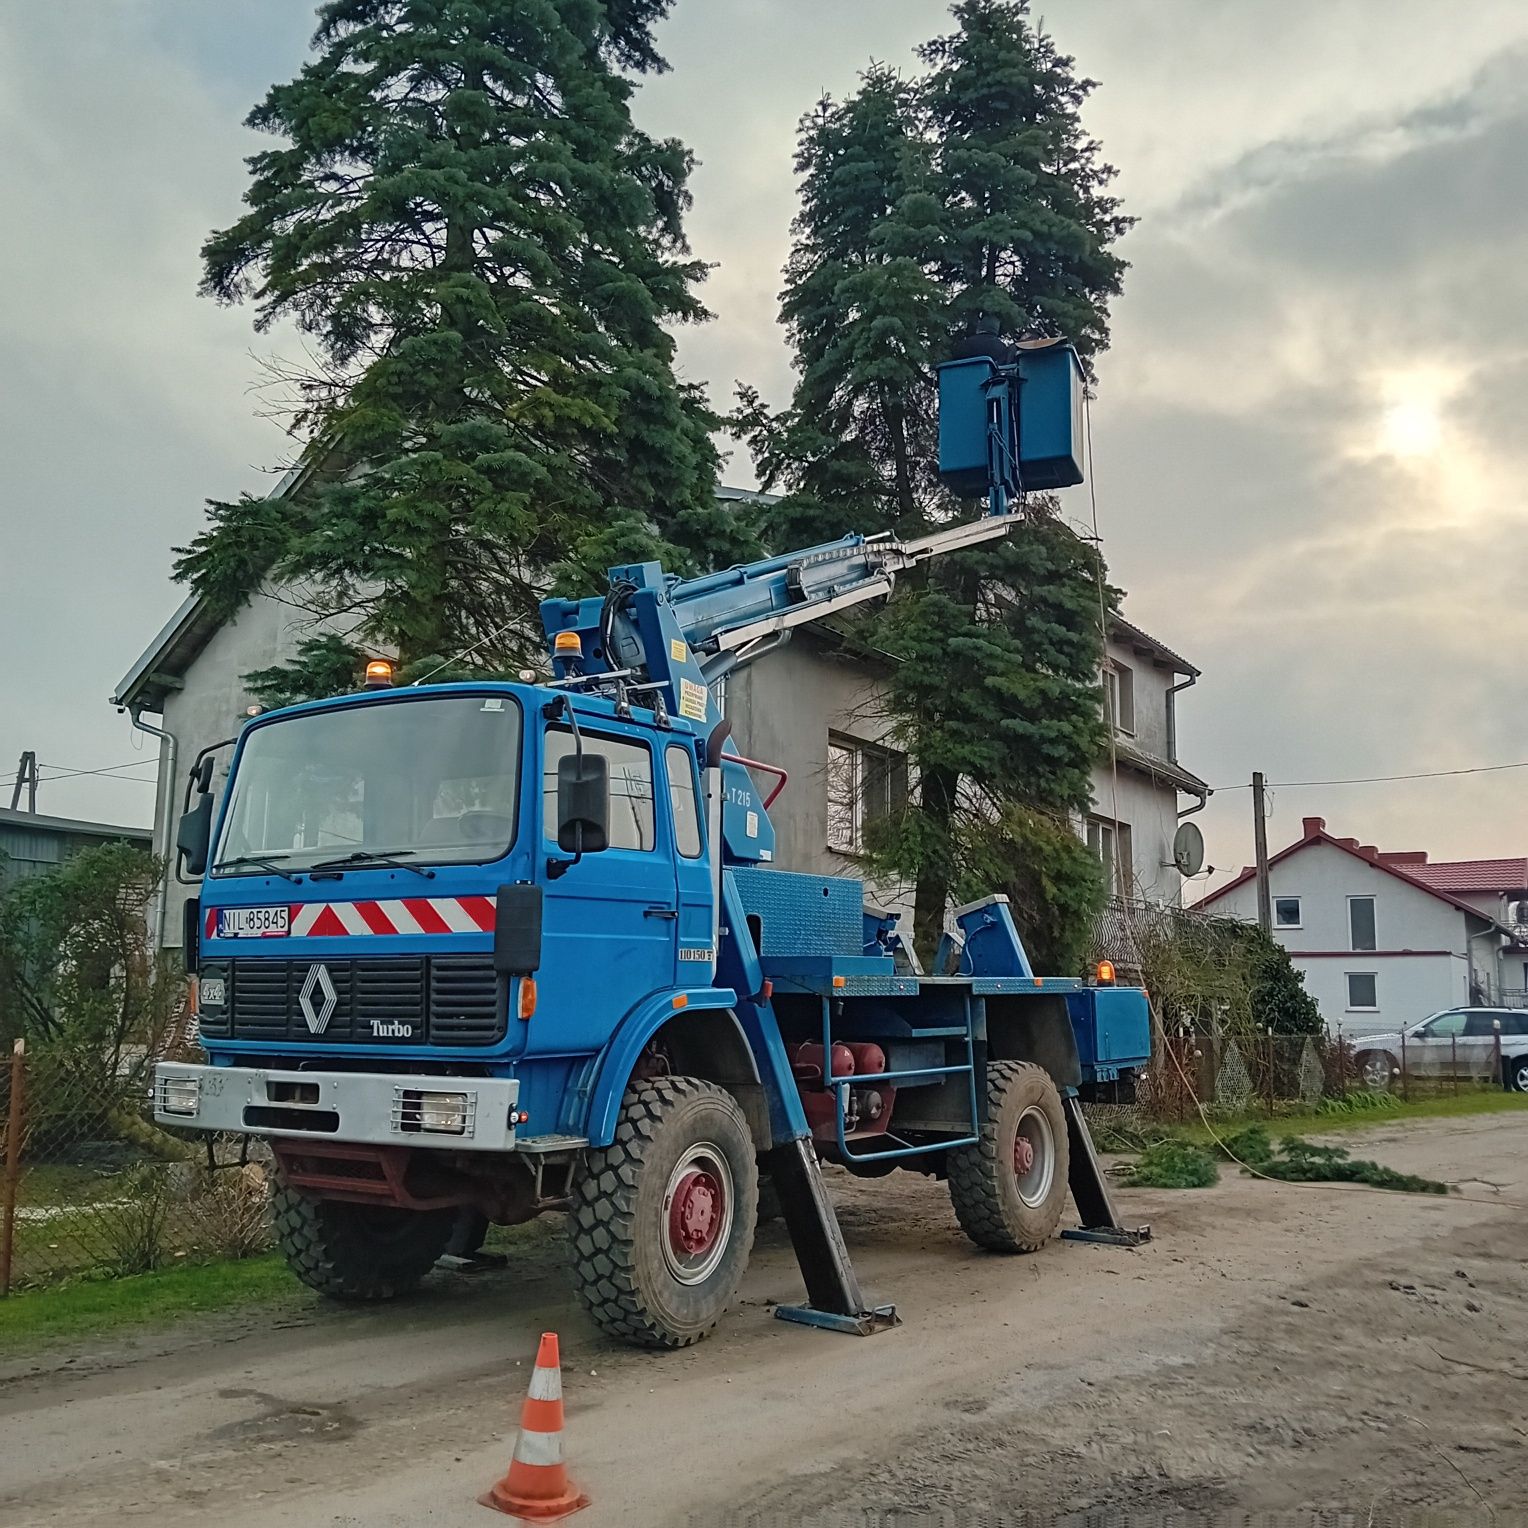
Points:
(443, 1000)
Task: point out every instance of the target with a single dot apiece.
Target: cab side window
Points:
(684, 799)
(631, 786)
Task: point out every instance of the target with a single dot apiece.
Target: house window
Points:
(1361, 923)
(1110, 842)
(1363, 991)
(865, 785)
(1119, 695)
(1286, 912)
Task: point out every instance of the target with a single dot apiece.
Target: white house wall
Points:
(1421, 964)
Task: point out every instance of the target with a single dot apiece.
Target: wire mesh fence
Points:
(93, 1187)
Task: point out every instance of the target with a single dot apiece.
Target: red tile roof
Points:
(1499, 875)
(1404, 866)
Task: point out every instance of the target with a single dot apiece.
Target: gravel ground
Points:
(1278, 1355)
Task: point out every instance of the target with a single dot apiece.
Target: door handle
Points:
(659, 912)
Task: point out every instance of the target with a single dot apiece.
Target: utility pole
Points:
(1260, 843)
(26, 779)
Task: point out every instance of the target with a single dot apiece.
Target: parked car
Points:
(1458, 1042)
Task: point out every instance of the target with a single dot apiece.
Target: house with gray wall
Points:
(816, 709)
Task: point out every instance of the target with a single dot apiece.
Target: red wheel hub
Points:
(695, 1212)
(1023, 1154)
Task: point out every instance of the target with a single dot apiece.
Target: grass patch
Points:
(1358, 1117)
(92, 1307)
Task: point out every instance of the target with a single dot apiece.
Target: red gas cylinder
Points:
(806, 1062)
(869, 1059)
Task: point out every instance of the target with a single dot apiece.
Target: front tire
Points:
(663, 1218)
(1517, 1074)
(1376, 1070)
(358, 1251)
(1010, 1188)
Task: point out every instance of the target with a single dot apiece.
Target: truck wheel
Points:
(1009, 1189)
(662, 1219)
(358, 1251)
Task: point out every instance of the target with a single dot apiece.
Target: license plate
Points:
(253, 922)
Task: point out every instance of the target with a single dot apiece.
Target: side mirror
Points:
(193, 840)
(583, 803)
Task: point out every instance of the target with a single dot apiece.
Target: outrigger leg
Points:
(833, 1294)
(1090, 1189)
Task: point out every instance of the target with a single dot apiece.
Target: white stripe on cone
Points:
(538, 1447)
(546, 1385)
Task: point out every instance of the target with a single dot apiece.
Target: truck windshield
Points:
(432, 780)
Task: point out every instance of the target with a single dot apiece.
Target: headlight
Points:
(180, 1095)
(442, 1113)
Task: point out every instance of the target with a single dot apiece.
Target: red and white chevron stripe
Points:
(407, 915)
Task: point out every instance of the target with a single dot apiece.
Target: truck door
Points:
(696, 895)
(608, 928)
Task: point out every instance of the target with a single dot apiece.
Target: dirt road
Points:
(1276, 1349)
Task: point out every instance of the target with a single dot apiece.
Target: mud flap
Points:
(1090, 1189)
(833, 1294)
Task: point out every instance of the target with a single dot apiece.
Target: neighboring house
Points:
(31, 844)
(1378, 944)
(1498, 888)
(815, 709)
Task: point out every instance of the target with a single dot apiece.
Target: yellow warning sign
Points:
(678, 651)
(692, 700)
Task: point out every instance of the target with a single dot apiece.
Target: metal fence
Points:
(92, 1187)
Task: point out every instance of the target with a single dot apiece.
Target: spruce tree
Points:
(967, 196)
(486, 255)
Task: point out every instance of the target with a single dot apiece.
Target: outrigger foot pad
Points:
(866, 1324)
(1112, 1236)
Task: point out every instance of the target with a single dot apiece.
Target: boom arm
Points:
(663, 633)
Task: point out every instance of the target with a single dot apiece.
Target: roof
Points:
(1497, 875)
(40, 824)
(1144, 763)
(1402, 866)
(1129, 635)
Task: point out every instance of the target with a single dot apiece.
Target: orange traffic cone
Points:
(537, 1485)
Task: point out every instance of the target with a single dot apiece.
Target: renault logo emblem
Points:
(318, 998)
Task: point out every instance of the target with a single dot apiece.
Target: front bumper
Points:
(367, 1108)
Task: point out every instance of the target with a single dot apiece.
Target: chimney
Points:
(1314, 825)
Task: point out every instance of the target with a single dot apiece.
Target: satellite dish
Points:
(1188, 849)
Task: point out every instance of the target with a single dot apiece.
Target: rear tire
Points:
(1010, 1188)
(358, 1251)
(1517, 1074)
(663, 1218)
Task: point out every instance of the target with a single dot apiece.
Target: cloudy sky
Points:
(1308, 433)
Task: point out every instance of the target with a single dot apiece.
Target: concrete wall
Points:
(211, 705)
(1151, 698)
(782, 710)
(1152, 812)
(1422, 962)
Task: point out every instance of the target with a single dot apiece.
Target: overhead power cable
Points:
(63, 773)
(1426, 774)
